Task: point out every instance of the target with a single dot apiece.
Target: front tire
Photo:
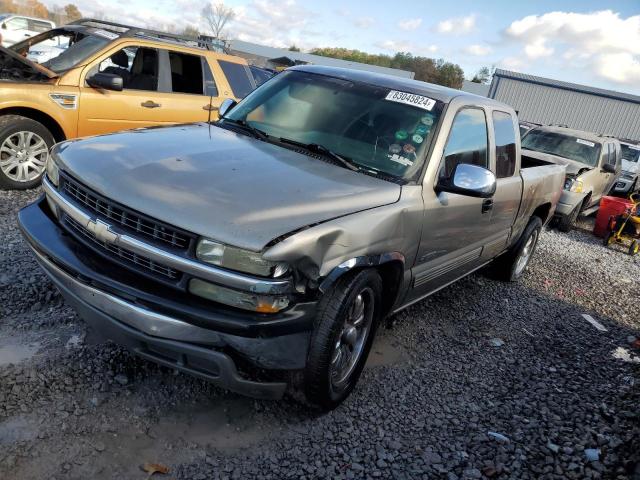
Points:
(24, 148)
(511, 266)
(347, 320)
(566, 222)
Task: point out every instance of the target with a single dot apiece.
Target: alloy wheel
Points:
(525, 254)
(23, 156)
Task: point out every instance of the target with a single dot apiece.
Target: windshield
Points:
(371, 126)
(61, 49)
(565, 146)
(630, 153)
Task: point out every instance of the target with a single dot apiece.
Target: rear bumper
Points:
(198, 339)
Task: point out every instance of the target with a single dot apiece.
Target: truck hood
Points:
(573, 167)
(220, 184)
(16, 67)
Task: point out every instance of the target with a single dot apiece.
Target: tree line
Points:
(34, 8)
(426, 69)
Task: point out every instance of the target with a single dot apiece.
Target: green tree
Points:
(72, 12)
(191, 32)
(483, 75)
(293, 48)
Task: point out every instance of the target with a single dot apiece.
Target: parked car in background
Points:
(279, 237)
(108, 77)
(593, 164)
(15, 28)
(629, 180)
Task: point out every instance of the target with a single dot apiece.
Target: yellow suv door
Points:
(160, 87)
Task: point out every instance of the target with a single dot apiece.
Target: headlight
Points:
(238, 259)
(53, 173)
(573, 185)
(245, 300)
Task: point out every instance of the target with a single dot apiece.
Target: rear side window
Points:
(467, 141)
(239, 78)
(505, 144)
(186, 73)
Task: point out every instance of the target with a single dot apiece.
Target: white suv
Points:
(15, 28)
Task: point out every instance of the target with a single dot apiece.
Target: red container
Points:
(609, 207)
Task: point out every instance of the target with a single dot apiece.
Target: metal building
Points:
(271, 57)
(547, 101)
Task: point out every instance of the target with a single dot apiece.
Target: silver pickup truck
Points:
(263, 251)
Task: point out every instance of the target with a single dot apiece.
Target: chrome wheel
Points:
(525, 254)
(23, 156)
(351, 341)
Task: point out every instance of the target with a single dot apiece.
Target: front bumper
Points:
(168, 327)
(623, 185)
(568, 202)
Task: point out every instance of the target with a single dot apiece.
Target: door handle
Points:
(210, 108)
(150, 104)
(487, 205)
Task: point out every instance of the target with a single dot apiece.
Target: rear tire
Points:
(24, 148)
(340, 344)
(513, 264)
(566, 222)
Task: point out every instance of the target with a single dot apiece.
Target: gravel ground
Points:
(482, 380)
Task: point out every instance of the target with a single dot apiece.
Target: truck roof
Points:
(437, 92)
(594, 137)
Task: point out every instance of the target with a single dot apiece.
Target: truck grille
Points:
(143, 263)
(124, 217)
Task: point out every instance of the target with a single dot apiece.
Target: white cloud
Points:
(410, 24)
(364, 22)
(478, 50)
(457, 26)
(601, 42)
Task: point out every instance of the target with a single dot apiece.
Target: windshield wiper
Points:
(321, 149)
(250, 128)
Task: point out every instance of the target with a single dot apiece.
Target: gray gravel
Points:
(482, 380)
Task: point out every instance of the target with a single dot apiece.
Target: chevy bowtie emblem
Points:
(102, 231)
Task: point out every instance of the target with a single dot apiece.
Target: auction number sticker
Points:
(585, 142)
(412, 99)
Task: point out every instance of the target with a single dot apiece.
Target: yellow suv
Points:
(92, 77)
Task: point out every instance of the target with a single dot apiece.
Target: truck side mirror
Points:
(226, 105)
(469, 180)
(108, 81)
(607, 167)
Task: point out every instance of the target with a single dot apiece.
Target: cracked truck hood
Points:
(14, 66)
(219, 184)
(573, 167)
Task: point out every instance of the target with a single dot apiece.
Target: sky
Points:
(589, 42)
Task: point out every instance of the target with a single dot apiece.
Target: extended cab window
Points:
(239, 78)
(38, 26)
(186, 73)
(137, 66)
(505, 144)
(467, 141)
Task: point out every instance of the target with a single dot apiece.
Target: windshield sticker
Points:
(427, 120)
(585, 142)
(401, 160)
(105, 34)
(411, 99)
(408, 148)
(417, 138)
(401, 135)
(395, 148)
(422, 130)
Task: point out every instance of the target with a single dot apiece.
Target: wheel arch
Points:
(49, 122)
(543, 212)
(389, 265)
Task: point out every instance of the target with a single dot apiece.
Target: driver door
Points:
(455, 227)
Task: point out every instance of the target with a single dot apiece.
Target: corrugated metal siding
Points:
(583, 111)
